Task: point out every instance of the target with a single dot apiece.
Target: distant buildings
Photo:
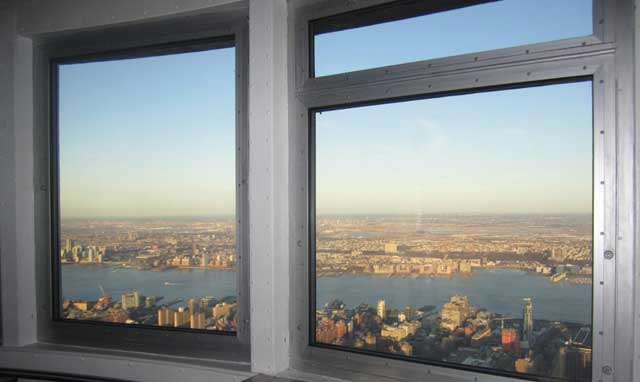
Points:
(382, 310)
(165, 316)
(579, 356)
(401, 331)
(510, 340)
(455, 312)
(527, 320)
(578, 362)
(481, 337)
(131, 300)
(197, 320)
(391, 248)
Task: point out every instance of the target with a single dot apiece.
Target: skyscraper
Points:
(130, 300)
(382, 310)
(527, 321)
(455, 312)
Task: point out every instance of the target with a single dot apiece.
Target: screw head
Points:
(607, 370)
(608, 255)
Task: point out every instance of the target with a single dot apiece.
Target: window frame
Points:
(319, 10)
(313, 220)
(228, 28)
(554, 61)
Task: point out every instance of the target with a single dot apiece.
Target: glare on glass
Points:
(487, 26)
(147, 197)
(458, 230)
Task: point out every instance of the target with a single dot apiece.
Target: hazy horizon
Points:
(155, 137)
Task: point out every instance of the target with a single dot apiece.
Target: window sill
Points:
(123, 365)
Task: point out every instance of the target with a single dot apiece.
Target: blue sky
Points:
(148, 137)
(501, 24)
(155, 136)
(511, 151)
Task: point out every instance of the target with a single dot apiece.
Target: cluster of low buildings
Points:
(202, 313)
(461, 333)
(134, 308)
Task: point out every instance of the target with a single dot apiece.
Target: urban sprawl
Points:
(154, 245)
(557, 247)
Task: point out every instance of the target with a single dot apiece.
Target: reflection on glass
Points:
(492, 25)
(458, 230)
(147, 196)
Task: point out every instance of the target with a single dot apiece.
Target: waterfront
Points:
(84, 281)
(499, 290)
(496, 290)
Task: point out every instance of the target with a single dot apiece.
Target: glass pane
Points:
(488, 26)
(147, 190)
(458, 230)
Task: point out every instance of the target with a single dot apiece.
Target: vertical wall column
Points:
(17, 248)
(268, 186)
(625, 187)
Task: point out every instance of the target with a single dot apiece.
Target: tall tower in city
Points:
(382, 309)
(527, 320)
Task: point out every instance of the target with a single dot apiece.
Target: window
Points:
(456, 230)
(147, 231)
(407, 31)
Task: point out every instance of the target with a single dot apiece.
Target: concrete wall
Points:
(16, 190)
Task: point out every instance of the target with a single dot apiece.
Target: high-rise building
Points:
(382, 310)
(149, 302)
(455, 312)
(130, 300)
(194, 306)
(527, 321)
(165, 316)
(578, 363)
(510, 340)
(181, 317)
(197, 320)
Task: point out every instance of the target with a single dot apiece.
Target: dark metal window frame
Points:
(312, 112)
(381, 13)
(390, 11)
(179, 35)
